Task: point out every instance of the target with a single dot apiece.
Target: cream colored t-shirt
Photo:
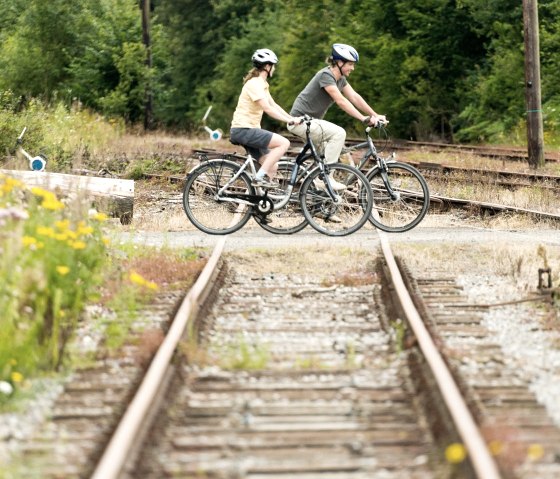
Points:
(248, 113)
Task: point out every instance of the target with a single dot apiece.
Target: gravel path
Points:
(257, 238)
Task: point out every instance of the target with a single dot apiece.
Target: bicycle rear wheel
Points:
(342, 217)
(410, 200)
(289, 219)
(201, 204)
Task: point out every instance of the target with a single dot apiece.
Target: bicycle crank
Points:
(265, 206)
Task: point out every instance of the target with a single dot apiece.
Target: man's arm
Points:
(356, 99)
(344, 103)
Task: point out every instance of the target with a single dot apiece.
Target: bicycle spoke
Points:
(410, 201)
(201, 200)
(289, 219)
(345, 215)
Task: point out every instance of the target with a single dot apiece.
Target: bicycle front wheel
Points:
(289, 219)
(343, 215)
(205, 209)
(406, 202)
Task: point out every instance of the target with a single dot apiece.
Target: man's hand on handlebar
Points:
(376, 121)
(300, 120)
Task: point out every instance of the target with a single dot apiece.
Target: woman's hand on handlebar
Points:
(299, 120)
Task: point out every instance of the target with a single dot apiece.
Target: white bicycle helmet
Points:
(341, 51)
(263, 56)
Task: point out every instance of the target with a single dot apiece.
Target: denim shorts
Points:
(255, 140)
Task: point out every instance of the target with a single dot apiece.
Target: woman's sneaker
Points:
(265, 183)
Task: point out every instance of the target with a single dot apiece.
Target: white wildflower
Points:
(6, 388)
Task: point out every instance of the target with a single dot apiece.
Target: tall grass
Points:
(67, 135)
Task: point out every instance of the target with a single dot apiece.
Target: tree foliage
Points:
(442, 69)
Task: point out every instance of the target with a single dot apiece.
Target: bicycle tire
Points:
(353, 209)
(397, 215)
(202, 208)
(289, 219)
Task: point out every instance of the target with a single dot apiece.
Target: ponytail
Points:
(254, 72)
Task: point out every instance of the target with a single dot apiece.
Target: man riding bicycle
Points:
(328, 86)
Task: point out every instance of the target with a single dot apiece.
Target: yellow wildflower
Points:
(136, 278)
(52, 204)
(141, 281)
(10, 184)
(41, 192)
(84, 230)
(535, 452)
(45, 231)
(62, 270)
(77, 244)
(61, 236)
(62, 225)
(151, 285)
(29, 241)
(455, 453)
(99, 217)
(496, 447)
(16, 377)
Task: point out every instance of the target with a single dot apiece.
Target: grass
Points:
(518, 264)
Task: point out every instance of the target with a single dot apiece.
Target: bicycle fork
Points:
(384, 171)
(326, 179)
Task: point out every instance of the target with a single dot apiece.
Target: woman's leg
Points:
(277, 148)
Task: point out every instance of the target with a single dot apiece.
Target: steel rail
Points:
(479, 455)
(122, 442)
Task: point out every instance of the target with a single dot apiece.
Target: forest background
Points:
(439, 69)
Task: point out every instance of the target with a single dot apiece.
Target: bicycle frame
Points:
(309, 150)
(381, 163)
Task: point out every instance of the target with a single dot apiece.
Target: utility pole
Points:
(535, 143)
(148, 106)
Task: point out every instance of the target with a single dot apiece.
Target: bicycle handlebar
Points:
(303, 119)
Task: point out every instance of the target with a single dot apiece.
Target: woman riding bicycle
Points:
(328, 86)
(255, 98)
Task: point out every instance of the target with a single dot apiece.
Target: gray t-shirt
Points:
(313, 99)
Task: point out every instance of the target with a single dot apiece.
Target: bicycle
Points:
(401, 197)
(219, 198)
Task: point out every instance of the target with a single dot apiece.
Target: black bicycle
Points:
(219, 197)
(401, 197)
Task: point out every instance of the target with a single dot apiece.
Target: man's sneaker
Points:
(336, 186)
(265, 183)
(330, 218)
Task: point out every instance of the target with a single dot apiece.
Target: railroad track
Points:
(440, 172)
(509, 154)
(321, 390)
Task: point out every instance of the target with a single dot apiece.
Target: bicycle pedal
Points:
(265, 220)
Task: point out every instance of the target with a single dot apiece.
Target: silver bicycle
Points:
(219, 197)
